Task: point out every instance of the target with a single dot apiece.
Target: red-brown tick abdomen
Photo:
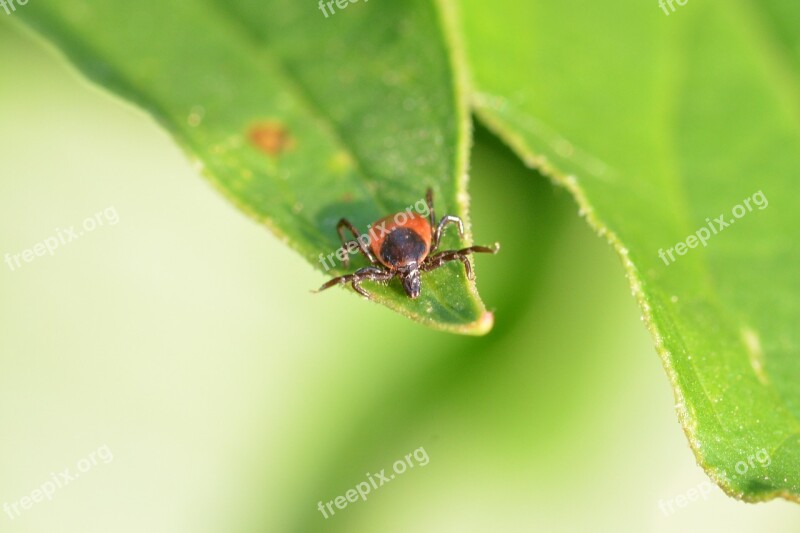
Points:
(401, 239)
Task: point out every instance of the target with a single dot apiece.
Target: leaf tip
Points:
(483, 325)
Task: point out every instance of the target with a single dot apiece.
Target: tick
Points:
(403, 246)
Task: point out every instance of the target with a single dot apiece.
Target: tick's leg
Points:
(369, 274)
(444, 257)
(346, 224)
(431, 214)
(435, 261)
(341, 280)
(437, 233)
(362, 274)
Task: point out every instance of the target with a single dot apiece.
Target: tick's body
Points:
(402, 244)
(405, 247)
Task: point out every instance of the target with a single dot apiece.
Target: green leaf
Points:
(658, 124)
(297, 118)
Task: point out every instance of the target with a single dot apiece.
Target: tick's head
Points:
(411, 283)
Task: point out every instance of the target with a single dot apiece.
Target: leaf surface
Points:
(659, 124)
(298, 119)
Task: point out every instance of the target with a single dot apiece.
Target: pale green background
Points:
(186, 339)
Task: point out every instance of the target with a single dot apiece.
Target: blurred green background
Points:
(186, 340)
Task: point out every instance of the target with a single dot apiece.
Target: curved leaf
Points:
(659, 123)
(297, 118)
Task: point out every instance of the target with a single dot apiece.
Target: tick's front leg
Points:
(369, 274)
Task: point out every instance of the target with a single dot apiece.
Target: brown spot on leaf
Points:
(271, 137)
